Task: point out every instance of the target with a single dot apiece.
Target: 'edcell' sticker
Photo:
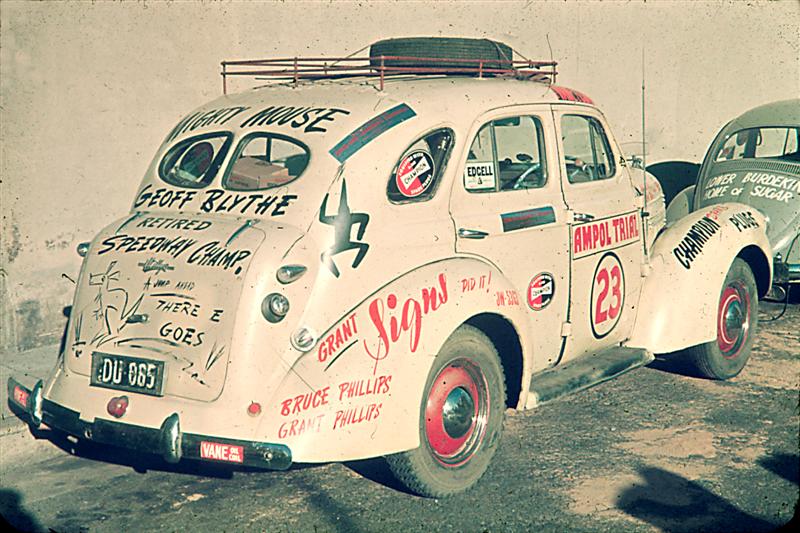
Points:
(540, 291)
(479, 175)
(415, 174)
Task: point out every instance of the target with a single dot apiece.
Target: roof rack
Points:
(323, 68)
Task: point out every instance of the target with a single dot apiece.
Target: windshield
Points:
(758, 143)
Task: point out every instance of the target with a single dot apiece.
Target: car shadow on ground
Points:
(672, 503)
(14, 515)
(141, 462)
(675, 363)
(783, 465)
(377, 471)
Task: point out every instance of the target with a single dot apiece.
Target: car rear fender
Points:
(359, 395)
(681, 205)
(689, 263)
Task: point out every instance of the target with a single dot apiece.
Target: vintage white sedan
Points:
(377, 259)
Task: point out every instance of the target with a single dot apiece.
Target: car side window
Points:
(417, 174)
(587, 152)
(506, 155)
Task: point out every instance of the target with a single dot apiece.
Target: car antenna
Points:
(645, 213)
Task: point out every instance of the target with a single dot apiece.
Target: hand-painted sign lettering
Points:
(163, 197)
(743, 221)
(202, 119)
(608, 295)
(343, 222)
(210, 254)
(157, 265)
(220, 201)
(364, 387)
(357, 415)
(183, 335)
(337, 341)
(299, 426)
(305, 401)
(370, 130)
(309, 119)
(606, 234)
(174, 223)
(410, 319)
(692, 244)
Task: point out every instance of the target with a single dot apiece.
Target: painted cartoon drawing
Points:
(343, 222)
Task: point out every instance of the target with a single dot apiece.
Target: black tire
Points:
(441, 47)
(737, 326)
(456, 447)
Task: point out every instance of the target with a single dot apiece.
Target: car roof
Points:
(781, 113)
(434, 98)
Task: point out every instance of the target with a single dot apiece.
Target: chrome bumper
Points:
(168, 441)
(784, 272)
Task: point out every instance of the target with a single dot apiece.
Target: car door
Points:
(508, 209)
(605, 231)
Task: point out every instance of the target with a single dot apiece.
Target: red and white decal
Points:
(540, 291)
(21, 396)
(608, 295)
(606, 234)
(565, 93)
(221, 452)
(415, 174)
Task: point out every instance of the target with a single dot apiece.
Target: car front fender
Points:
(689, 262)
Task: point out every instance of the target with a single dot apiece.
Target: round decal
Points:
(415, 174)
(541, 290)
(608, 295)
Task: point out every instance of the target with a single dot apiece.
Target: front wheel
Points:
(737, 324)
(461, 418)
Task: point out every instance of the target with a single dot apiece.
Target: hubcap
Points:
(733, 321)
(456, 412)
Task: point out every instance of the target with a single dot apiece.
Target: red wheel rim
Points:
(456, 412)
(733, 320)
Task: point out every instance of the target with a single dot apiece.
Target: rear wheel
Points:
(737, 324)
(461, 418)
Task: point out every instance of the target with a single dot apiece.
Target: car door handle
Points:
(582, 217)
(465, 233)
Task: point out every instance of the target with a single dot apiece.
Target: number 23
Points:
(613, 281)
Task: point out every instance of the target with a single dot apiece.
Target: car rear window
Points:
(757, 143)
(194, 162)
(265, 160)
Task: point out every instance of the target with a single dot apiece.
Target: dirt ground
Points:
(654, 450)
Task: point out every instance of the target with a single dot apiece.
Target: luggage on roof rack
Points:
(452, 52)
(407, 56)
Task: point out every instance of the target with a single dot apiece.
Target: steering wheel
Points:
(580, 167)
(521, 179)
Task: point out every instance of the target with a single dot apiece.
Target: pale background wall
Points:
(88, 91)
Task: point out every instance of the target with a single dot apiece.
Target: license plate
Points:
(131, 374)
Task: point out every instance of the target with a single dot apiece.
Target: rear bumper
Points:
(168, 441)
(785, 272)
